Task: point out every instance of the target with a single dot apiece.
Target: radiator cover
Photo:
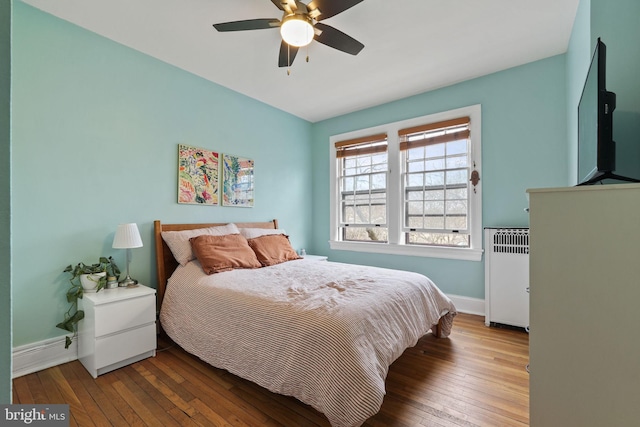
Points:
(507, 276)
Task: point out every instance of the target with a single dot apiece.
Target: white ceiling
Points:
(411, 46)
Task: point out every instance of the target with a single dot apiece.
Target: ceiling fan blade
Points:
(329, 8)
(337, 39)
(249, 24)
(287, 55)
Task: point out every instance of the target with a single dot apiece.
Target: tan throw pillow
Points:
(223, 253)
(273, 249)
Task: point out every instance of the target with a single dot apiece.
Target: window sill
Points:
(421, 251)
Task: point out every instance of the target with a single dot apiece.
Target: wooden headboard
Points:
(166, 263)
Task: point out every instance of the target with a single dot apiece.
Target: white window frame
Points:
(396, 244)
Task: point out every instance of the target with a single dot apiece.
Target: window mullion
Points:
(395, 199)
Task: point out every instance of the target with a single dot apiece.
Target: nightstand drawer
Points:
(124, 345)
(124, 314)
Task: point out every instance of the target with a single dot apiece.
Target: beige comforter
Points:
(322, 332)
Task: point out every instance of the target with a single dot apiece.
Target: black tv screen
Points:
(596, 148)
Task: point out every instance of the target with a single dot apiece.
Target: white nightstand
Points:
(315, 257)
(119, 328)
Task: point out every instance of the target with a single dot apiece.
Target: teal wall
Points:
(523, 146)
(96, 128)
(617, 22)
(5, 206)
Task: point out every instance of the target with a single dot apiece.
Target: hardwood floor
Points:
(476, 377)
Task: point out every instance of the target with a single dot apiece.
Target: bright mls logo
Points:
(36, 415)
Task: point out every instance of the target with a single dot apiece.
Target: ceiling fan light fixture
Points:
(296, 30)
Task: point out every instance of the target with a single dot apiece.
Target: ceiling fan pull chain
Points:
(288, 60)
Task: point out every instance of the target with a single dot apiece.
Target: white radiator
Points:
(506, 276)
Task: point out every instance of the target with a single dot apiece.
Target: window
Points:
(406, 188)
(435, 176)
(363, 167)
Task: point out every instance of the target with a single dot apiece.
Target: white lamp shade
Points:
(296, 31)
(127, 236)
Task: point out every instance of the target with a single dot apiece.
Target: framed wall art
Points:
(237, 181)
(198, 176)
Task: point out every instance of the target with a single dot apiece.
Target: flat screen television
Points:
(596, 148)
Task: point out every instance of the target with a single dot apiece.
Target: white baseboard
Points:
(468, 305)
(41, 355)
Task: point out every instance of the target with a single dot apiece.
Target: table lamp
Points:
(127, 237)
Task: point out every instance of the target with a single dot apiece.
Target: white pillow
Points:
(252, 233)
(178, 241)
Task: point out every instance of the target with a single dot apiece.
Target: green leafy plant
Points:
(72, 316)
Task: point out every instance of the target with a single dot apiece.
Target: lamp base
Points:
(127, 281)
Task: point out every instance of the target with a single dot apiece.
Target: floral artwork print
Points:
(197, 175)
(237, 181)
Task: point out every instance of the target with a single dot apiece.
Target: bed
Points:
(322, 332)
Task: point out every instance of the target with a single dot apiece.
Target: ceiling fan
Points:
(300, 25)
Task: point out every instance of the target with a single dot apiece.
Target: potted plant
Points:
(84, 278)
